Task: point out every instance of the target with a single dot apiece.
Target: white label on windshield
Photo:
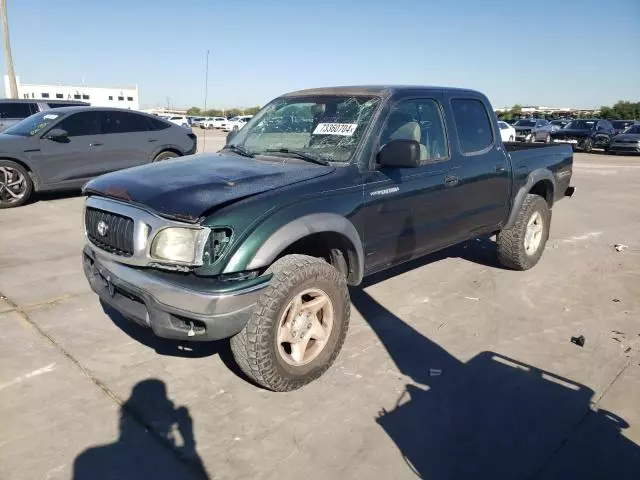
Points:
(50, 116)
(344, 129)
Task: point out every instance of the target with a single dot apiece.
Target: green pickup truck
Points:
(259, 242)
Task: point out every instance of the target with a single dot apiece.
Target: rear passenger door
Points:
(484, 189)
(129, 140)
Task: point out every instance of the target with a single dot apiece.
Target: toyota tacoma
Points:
(260, 241)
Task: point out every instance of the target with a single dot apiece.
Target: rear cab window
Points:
(473, 125)
(17, 110)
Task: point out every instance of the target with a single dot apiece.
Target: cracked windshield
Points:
(325, 128)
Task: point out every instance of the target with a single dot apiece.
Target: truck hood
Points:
(187, 188)
(563, 132)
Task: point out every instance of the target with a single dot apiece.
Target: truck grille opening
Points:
(109, 231)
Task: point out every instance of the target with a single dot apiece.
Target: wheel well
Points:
(543, 188)
(34, 178)
(173, 150)
(333, 247)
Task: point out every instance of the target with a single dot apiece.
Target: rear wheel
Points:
(167, 154)
(298, 326)
(16, 185)
(520, 247)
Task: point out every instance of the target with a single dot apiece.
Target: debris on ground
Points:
(617, 332)
(616, 300)
(472, 298)
(435, 372)
(578, 340)
(627, 350)
(620, 247)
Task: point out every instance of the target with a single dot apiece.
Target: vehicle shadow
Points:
(163, 447)
(56, 195)
(174, 348)
(493, 416)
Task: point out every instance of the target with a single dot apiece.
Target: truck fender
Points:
(533, 178)
(308, 225)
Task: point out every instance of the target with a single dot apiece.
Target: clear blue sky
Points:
(578, 53)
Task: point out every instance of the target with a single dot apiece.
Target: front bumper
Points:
(193, 310)
(624, 148)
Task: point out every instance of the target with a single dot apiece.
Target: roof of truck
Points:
(372, 90)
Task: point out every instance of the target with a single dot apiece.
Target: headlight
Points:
(183, 245)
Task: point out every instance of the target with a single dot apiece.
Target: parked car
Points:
(558, 124)
(196, 121)
(63, 148)
(259, 241)
(619, 126)
(533, 130)
(181, 121)
(507, 132)
(12, 111)
(236, 123)
(585, 134)
(214, 122)
(626, 142)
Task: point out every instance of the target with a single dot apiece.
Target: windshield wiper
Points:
(299, 154)
(239, 150)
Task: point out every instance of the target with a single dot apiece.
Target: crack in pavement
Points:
(100, 384)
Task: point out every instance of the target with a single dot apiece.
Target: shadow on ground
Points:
(493, 416)
(163, 448)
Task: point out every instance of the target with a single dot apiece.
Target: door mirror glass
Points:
(58, 135)
(400, 153)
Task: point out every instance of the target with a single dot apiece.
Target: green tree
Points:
(193, 111)
(516, 110)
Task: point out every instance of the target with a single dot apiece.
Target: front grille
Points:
(116, 238)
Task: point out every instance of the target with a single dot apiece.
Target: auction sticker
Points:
(51, 116)
(344, 129)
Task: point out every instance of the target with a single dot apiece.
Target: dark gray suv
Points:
(14, 110)
(63, 148)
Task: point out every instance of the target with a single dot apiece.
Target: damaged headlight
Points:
(180, 245)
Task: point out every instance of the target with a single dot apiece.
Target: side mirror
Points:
(230, 135)
(400, 153)
(57, 135)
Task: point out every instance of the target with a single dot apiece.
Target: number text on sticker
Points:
(345, 129)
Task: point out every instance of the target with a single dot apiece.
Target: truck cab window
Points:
(418, 120)
(474, 128)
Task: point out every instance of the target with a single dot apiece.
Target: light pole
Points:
(13, 85)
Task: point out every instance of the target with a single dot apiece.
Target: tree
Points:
(193, 111)
(516, 110)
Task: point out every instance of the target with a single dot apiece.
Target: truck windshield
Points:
(34, 124)
(327, 127)
(581, 125)
(525, 123)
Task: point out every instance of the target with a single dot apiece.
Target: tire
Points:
(235, 128)
(547, 139)
(511, 139)
(14, 181)
(532, 139)
(512, 250)
(166, 155)
(256, 349)
(587, 145)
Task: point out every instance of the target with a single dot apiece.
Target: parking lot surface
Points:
(453, 367)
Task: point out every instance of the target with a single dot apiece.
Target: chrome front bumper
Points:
(172, 305)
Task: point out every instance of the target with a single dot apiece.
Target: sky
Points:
(569, 53)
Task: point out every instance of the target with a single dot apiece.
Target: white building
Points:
(123, 97)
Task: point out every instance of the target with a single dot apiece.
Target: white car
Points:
(507, 132)
(236, 123)
(180, 121)
(213, 122)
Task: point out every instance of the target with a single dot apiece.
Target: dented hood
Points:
(186, 188)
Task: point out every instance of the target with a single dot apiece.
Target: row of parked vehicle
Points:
(209, 123)
(613, 136)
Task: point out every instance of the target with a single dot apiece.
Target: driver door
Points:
(77, 157)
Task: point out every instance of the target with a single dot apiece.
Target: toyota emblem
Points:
(103, 228)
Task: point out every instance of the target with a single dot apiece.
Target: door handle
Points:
(500, 168)
(151, 140)
(96, 144)
(451, 180)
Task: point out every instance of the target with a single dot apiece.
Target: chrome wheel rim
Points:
(305, 327)
(533, 234)
(13, 185)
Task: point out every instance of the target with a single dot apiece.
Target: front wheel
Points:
(532, 138)
(16, 185)
(166, 155)
(511, 138)
(298, 326)
(587, 145)
(520, 247)
(547, 139)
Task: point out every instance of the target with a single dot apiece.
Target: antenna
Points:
(206, 93)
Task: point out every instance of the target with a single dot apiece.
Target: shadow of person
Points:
(493, 416)
(163, 447)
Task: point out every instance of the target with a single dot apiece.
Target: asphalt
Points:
(453, 367)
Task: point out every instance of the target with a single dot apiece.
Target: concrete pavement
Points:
(453, 367)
